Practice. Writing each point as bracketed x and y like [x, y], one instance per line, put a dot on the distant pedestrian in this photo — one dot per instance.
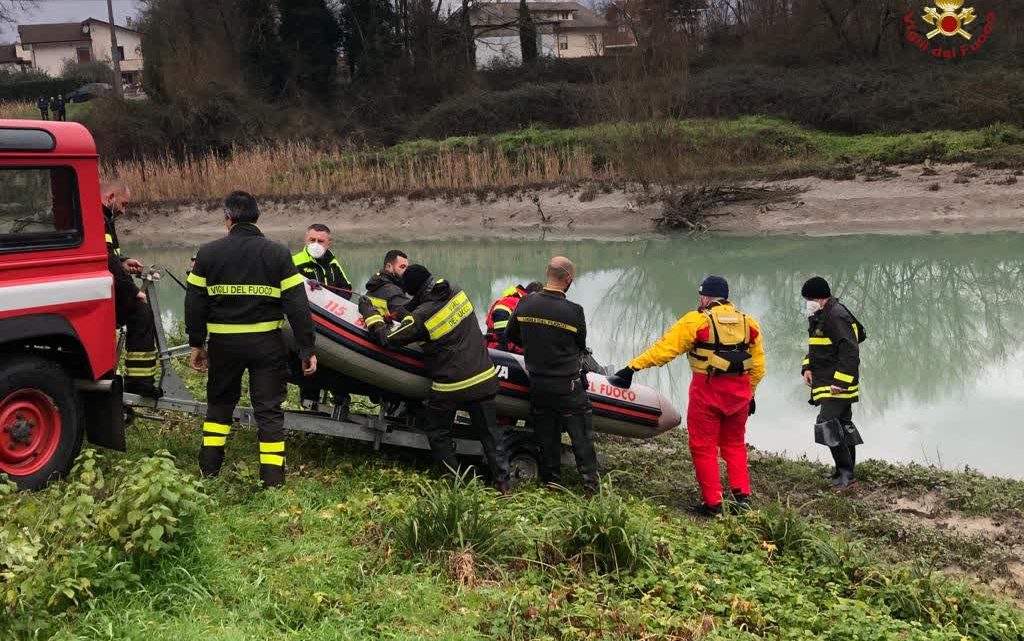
[44, 107]
[62, 113]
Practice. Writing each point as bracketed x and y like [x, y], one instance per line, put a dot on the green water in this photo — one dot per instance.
[942, 373]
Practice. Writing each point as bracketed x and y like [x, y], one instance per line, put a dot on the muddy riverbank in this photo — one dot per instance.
[908, 199]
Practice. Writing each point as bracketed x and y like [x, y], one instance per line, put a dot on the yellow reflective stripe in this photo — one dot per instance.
[141, 372]
[461, 385]
[406, 323]
[376, 319]
[548, 322]
[379, 303]
[846, 378]
[138, 356]
[272, 446]
[271, 459]
[198, 281]
[243, 328]
[216, 428]
[504, 307]
[807, 361]
[821, 389]
[108, 238]
[501, 324]
[292, 281]
[448, 317]
[509, 291]
[816, 340]
[856, 331]
[215, 441]
[837, 396]
[244, 290]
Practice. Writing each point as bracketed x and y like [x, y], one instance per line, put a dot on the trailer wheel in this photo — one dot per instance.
[40, 421]
[523, 463]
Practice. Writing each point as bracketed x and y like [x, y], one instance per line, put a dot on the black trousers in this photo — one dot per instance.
[140, 343]
[265, 357]
[439, 417]
[845, 455]
[558, 405]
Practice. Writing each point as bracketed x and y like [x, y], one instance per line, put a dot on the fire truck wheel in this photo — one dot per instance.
[40, 421]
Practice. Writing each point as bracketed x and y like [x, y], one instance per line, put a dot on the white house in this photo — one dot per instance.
[48, 46]
[564, 30]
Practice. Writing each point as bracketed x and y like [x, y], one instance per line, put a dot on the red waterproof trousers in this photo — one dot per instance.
[716, 420]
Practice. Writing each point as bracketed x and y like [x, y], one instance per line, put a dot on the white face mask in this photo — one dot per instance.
[811, 308]
[316, 250]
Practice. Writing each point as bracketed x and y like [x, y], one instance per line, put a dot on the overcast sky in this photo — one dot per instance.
[66, 11]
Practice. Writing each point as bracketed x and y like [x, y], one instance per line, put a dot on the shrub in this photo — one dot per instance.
[451, 516]
[604, 533]
[95, 532]
[82, 73]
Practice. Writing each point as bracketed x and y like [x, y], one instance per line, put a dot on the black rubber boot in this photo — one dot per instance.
[706, 511]
[741, 502]
[210, 460]
[844, 467]
[145, 387]
[272, 475]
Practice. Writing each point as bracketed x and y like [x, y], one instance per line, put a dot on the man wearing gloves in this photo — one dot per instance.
[832, 371]
[441, 318]
[725, 350]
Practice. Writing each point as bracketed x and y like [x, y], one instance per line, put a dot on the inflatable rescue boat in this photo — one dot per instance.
[344, 347]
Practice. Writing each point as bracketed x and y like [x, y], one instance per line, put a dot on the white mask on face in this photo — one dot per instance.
[811, 308]
[316, 250]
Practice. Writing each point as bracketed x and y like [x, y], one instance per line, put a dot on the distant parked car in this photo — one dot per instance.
[85, 93]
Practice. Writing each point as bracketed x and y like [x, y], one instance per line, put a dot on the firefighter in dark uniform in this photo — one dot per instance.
[832, 371]
[317, 262]
[240, 290]
[501, 312]
[553, 333]
[441, 317]
[384, 289]
[131, 305]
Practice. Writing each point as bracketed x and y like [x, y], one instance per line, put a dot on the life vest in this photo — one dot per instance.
[508, 302]
[727, 350]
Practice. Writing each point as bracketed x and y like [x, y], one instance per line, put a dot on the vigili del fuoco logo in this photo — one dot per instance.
[947, 34]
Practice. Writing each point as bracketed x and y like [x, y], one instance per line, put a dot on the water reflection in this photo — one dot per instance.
[942, 375]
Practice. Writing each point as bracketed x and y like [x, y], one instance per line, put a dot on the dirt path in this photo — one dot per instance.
[909, 199]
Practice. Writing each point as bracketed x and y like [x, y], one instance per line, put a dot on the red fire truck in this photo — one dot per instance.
[57, 335]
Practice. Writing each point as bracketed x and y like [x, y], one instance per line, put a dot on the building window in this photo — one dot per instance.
[84, 54]
[120, 54]
[566, 15]
[563, 43]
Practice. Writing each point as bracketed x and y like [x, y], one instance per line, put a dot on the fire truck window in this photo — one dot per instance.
[39, 208]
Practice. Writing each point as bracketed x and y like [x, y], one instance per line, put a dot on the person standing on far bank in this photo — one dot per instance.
[832, 371]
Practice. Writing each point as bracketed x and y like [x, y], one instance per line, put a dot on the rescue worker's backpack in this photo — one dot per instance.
[728, 349]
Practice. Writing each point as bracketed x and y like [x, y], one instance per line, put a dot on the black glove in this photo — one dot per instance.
[753, 407]
[366, 308]
[622, 378]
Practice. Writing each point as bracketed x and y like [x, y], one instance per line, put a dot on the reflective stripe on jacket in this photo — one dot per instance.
[244, 283]
[833, 353]
[326, 270]
[443, 320]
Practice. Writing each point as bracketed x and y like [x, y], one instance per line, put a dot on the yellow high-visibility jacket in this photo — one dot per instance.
[693, 328]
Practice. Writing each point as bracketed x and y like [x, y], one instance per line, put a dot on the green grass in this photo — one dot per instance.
[748, 146]
[329, 557]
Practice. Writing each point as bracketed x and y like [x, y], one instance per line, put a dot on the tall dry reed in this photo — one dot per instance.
[299, 169]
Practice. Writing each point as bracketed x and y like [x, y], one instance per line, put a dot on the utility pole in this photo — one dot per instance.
[118, 91]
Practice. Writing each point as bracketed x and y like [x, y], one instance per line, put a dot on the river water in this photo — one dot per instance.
[942, 375]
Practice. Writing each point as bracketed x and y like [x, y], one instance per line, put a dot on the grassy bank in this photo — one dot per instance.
[361, 545]
[665, 152]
